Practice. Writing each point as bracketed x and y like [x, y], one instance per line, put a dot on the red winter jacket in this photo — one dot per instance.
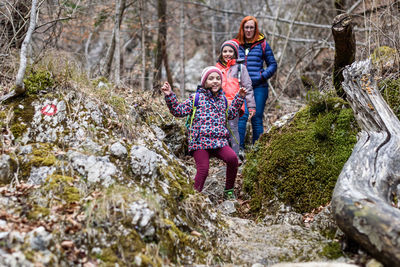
[230, 83]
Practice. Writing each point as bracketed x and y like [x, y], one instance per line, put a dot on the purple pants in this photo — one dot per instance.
[202, 157]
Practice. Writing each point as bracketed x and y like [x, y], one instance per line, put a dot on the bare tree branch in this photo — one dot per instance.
[19, 83]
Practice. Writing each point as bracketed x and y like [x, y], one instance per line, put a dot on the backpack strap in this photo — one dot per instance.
[263, 46]
[240, 74]
[194, 108]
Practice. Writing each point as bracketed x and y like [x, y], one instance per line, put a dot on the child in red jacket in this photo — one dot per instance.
[208, 134]
[235, 75]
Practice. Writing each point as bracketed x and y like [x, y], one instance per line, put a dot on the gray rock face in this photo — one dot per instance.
[118, 150]
[267, 245]
[142, 218]
[39, 175]
[39, 239]
[144, 162]
[6, 172]
[16, 259]
[96, 169]
[47, 121]
[227, 207]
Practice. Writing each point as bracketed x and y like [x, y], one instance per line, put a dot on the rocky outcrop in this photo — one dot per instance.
[84, 184]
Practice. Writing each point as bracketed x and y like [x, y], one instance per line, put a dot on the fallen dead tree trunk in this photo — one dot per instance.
[368, 184]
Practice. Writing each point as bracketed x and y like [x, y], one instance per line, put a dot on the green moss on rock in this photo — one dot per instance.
[43, 156]
[38, 212]
[37, 81]
[62, 187]
[383, 54]
[332, 251]
[390, 90]
[300, 163]
[18, 129]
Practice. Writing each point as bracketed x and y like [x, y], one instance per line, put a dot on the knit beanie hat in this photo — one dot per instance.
[207, 71]
[233, 45]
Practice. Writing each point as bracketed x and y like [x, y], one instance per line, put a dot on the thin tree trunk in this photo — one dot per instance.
[369, 183]
[19, 80]
[117, 44]
[149, 69]
[166, 65]
[182, 48]
[106, 67]
[143, 46]
[213, 45]
[275, 22]
[345, 49]
[161, 43]
[340, 6]
[297, 12]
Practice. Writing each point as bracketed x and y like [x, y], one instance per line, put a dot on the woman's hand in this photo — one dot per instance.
[166, 89]
[242, 92]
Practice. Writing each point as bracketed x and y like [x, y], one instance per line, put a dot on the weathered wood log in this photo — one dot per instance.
[345, 49]
[368, 184]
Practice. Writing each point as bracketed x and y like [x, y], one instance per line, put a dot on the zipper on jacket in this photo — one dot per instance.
[246, 52]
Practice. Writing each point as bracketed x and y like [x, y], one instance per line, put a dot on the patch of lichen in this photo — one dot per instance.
[3, 118]
[115, 198]
[38, 212]
[390, 90]
[299, 163]
[38, 80]
[179, 186]
[332, 251]
[18, 129]
[125, 250]
[175, 243]
[42, 155]
[62, 187]
[383, 54]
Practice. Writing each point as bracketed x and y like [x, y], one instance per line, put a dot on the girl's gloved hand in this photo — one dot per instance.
[242, 92]
[166, 89]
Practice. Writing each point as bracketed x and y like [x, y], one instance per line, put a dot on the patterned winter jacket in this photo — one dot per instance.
[208, 130]
[254, 61]
[230, 83]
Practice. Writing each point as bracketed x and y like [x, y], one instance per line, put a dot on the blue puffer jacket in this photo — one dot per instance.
[254, 61]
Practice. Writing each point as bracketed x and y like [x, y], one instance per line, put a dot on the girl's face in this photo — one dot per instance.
[249, 29]
[227, 53]
[213, 82]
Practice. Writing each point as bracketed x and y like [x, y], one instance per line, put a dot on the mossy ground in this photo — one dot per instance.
[37, 81]
[300, 163]
[390, 90]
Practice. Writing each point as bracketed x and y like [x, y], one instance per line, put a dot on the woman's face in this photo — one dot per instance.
[227, 53]
[249, 29]
[213, 82]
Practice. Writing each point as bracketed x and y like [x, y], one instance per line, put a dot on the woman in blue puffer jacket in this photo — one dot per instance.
[255, 50]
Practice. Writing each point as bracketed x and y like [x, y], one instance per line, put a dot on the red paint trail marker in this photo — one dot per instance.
[49, 110]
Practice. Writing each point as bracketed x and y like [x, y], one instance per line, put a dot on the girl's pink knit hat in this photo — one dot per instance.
[207, 71]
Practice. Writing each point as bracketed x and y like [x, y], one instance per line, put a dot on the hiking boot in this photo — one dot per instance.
[241, 154]
[229, 194]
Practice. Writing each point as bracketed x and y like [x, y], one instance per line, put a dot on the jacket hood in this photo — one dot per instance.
[228, 64]
[261, 37]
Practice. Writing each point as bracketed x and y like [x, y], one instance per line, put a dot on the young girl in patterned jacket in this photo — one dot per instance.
[209, 136]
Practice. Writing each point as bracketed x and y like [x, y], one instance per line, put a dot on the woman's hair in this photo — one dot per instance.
[240, 36]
